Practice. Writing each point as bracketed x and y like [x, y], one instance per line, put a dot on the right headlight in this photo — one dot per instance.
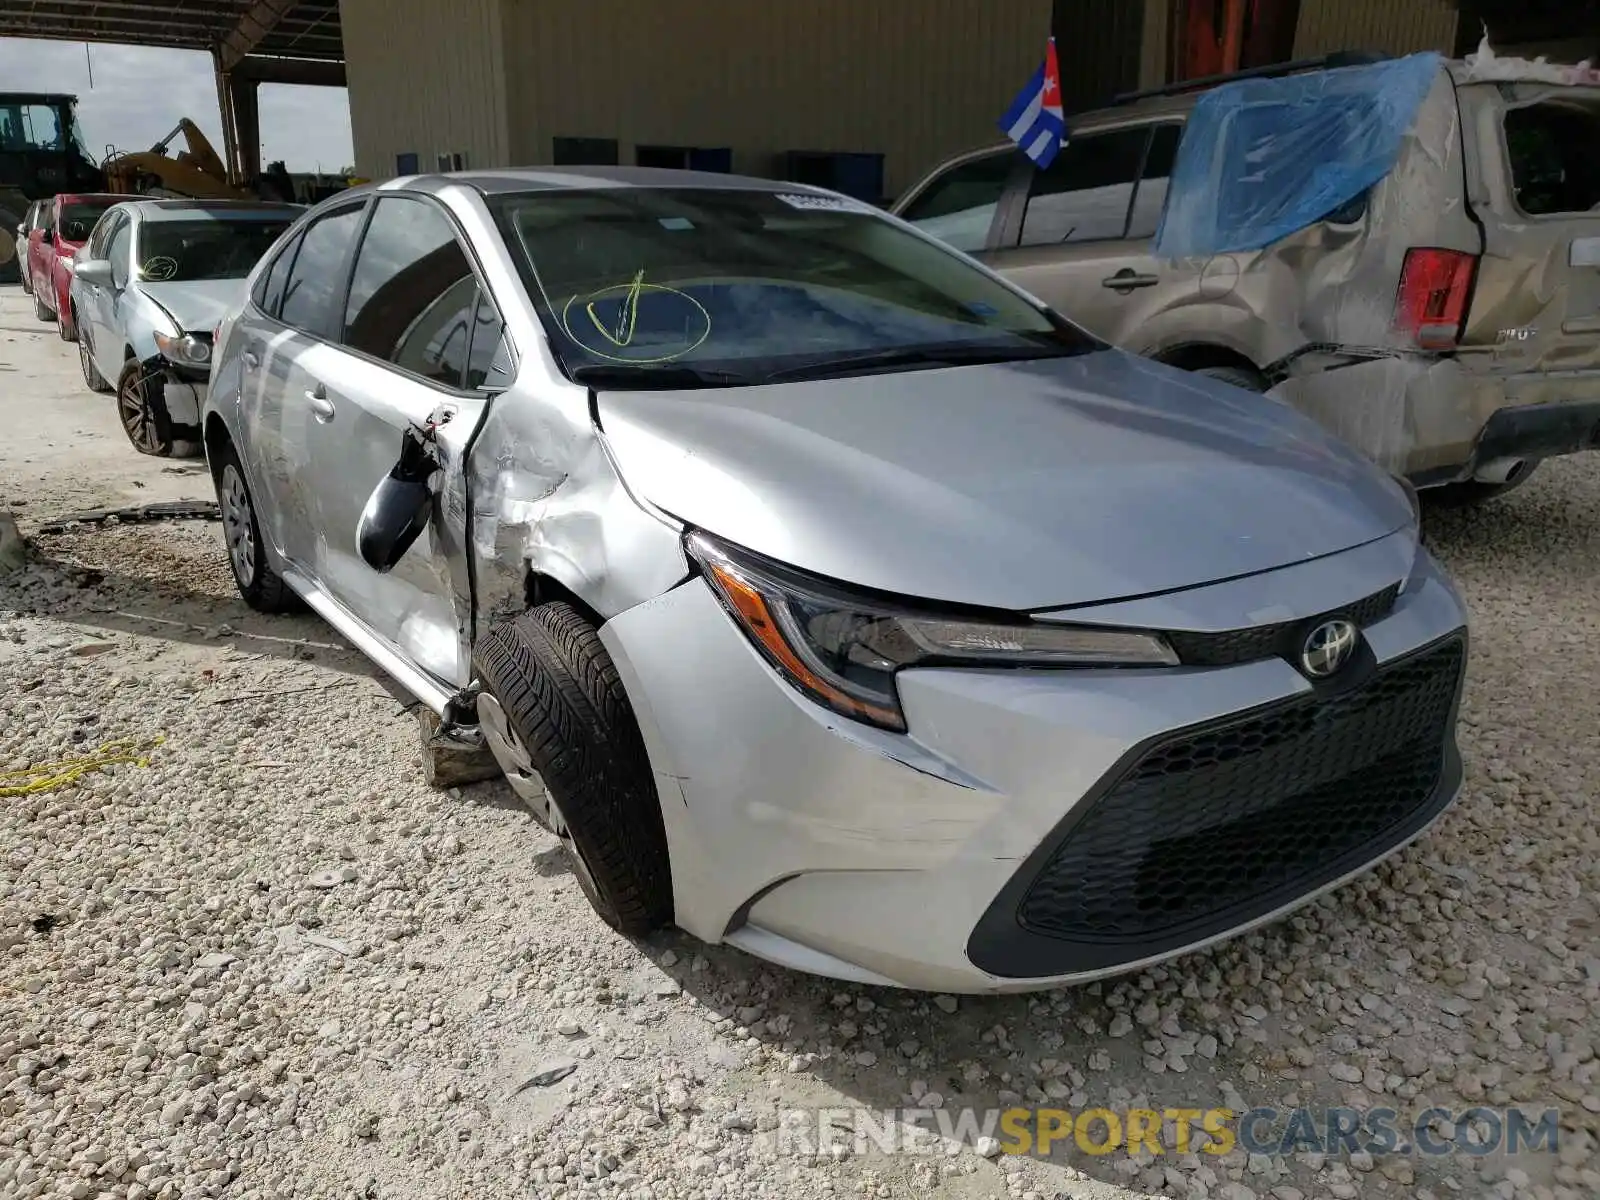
[843, 651]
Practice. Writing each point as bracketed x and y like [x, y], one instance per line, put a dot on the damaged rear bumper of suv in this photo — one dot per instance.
[1034, 828]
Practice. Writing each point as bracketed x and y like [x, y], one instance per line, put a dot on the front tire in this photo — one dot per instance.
[22, 269]
[260, 586]
[554, 707]
[66, 327]
[40, 312]
[143, 412]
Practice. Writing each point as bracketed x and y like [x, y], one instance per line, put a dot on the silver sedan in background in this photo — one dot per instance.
[824, 593]
[148, 288]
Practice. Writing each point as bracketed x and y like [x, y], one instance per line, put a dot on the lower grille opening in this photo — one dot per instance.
[1216, 826]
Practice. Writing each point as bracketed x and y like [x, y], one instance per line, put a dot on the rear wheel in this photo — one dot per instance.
[39, 310]
[553, 712]
[260, 586]
[22, 269]
[66, 327]
[91, 374]
[143, 412]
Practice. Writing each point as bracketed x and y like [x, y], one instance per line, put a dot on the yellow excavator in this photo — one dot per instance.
[196, 173]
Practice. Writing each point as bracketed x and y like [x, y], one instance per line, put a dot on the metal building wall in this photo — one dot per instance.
[913, 79]
[425, 78]
[1392, 26]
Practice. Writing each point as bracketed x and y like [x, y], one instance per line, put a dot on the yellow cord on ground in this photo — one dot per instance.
[45, 777]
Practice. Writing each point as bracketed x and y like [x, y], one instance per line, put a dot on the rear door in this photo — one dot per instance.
[1078, 234]
[1533, 157]
[419, 337]
[284, 346]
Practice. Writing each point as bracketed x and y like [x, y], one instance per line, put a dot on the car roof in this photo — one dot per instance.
[494, 182]
[180, 210]
[80, 197]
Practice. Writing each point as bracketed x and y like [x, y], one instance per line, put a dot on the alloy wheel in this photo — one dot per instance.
[137, 420]
[238, 526]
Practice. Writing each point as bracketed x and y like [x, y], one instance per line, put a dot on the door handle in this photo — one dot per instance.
[249, 359]
[1127, 279]
[321, 407]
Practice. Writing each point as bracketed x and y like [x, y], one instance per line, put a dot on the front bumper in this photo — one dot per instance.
[910, 859]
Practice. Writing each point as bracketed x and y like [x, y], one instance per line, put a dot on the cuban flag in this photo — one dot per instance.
[1035, 120]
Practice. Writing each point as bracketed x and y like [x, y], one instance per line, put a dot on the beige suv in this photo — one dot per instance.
[1447, 322]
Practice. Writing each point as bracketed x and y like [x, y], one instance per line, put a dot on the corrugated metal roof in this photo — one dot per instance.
[304, 29]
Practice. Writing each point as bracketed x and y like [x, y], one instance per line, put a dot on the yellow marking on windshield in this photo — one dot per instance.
[621, 334]
[616, 340]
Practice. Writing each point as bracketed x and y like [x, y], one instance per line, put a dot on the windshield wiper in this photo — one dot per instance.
[926, 356]
[645, 377]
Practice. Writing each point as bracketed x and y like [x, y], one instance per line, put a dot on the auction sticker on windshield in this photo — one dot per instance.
[822, 203]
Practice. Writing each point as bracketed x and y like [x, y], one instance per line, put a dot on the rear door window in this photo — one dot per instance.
[958, 207]
[1086, 193]
[1553, 159]
[1151, 197]
[268, 293]
[315, 282]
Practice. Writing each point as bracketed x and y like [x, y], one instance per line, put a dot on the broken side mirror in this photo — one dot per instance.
[397, 511]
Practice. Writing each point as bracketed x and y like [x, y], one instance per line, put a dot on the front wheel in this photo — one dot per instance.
[39, 310]
[143, 411]
[553, 711]
[66, 327]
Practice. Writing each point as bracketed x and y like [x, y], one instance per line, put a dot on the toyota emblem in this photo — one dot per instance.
[1328, 648]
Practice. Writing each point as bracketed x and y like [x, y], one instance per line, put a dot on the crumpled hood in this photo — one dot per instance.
[1014, 485]
[197, 305]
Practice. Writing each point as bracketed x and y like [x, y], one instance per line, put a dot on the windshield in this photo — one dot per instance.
[79, 217]
[681, 287]
[205, 248]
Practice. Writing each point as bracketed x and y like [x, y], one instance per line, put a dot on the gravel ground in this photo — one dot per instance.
[269, 962]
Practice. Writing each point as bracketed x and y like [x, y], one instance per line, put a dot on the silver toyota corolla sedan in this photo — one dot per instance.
[824, 593]
[148, 288]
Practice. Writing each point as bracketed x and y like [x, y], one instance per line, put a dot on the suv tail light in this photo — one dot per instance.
[1432, 301]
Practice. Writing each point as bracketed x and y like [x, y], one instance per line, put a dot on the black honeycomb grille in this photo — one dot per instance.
[1247, 815]
[1266, 641]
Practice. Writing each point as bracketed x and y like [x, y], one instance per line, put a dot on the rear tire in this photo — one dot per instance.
[260, 586]
[1240, 377]
[1471, 492]
[568, 720]
[91, 373]
[40, 311]
[66, 328]
[22, 270]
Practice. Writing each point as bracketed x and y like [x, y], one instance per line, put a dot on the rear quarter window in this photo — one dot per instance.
[1552, 154]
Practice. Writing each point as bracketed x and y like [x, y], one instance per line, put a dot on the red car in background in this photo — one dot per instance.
[66, 225]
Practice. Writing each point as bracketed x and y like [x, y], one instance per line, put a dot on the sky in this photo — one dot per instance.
[140, 93]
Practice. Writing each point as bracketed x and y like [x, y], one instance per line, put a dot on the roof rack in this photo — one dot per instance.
[1324, 62]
